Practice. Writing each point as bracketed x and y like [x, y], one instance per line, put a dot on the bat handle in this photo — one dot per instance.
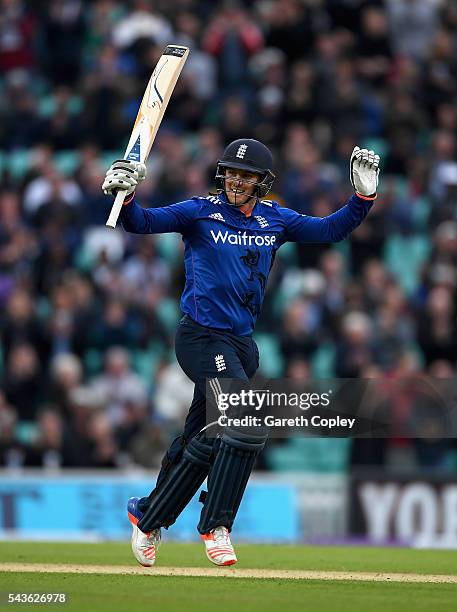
[116, 208]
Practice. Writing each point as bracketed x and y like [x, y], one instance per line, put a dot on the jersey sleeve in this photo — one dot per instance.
[174, 218]
[333, 228]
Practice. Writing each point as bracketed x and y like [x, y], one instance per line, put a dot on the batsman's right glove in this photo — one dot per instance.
[123, 175]
[364, 172]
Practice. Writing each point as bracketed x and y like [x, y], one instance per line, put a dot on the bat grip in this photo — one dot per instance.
[116, 208]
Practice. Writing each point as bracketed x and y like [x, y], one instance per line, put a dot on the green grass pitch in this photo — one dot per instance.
[95, 592]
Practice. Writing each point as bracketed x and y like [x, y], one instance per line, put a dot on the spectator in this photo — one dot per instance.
[289, 24]
[63, 30]
[19, 244]
[53, 191]
[48, 449]
[232, 37]
[172, 397]
[20, 325]
[413, 25]
[12, 453]
[354, 351]
[22, 126]
[299, 329]
[142, 22]
[116, 327]
[101, 435]
[117, 385]
[145, 271]
[23, 383]
[66, 376]
[373, 48]
[18, 28]
[437, 334]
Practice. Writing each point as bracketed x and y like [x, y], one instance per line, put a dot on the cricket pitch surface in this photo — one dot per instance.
[204, 572]
[104, 577]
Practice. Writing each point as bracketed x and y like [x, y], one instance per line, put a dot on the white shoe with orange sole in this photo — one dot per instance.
[219, 549]
[144, 545]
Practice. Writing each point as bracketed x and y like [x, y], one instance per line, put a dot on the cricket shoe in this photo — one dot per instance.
[219, 549]
[144, 545]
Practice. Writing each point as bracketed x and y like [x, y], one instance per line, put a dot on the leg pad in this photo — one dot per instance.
[183, 480]
[229, 476]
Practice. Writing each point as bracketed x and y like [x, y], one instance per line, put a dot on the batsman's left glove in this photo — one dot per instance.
[364, 172]
[123, 175]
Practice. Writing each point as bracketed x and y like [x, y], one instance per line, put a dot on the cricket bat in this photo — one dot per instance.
[155, 99]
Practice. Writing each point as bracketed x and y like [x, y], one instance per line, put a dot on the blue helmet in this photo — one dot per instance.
[251, 155]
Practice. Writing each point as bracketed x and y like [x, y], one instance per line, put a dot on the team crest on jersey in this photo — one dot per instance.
[217, 216]
[241, 151]
[261, 221]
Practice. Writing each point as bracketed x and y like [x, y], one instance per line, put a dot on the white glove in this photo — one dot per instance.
[123, 175]
[364, 171]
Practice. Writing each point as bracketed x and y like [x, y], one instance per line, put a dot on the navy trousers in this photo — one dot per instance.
[199, 350]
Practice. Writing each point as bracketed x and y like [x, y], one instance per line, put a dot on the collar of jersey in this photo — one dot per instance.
[223, 198]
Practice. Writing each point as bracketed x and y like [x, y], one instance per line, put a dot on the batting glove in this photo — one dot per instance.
[364, 172]
[123, 175]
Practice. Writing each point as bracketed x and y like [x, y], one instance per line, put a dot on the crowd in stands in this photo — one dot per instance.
[87, 315]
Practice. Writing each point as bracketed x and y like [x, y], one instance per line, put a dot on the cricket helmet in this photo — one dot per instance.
[250, 155]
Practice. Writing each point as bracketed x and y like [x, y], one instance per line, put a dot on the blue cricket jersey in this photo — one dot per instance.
[228, 256]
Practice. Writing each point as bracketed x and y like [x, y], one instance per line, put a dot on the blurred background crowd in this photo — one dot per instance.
[87, 315]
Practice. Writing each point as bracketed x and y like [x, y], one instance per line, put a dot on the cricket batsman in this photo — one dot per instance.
[231, 240]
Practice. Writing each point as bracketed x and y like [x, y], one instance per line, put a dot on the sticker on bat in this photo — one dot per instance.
[176, 51]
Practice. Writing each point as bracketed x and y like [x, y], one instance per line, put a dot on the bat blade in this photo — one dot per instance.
[150, 114]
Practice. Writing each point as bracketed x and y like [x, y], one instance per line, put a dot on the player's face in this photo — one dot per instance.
[240, 185]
